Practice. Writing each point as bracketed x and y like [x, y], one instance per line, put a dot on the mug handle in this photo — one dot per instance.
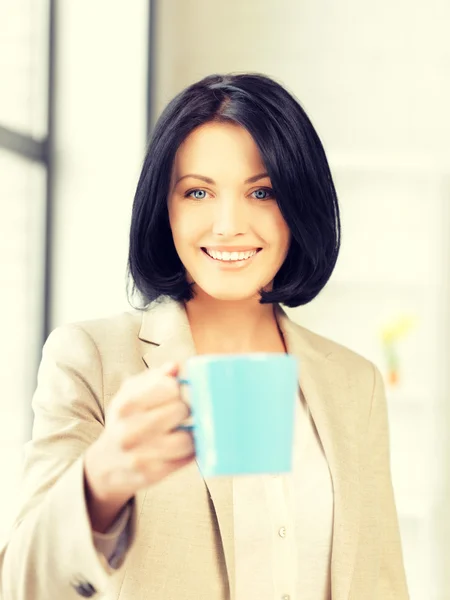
[184, 427]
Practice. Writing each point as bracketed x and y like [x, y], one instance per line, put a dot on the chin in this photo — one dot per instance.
[229, 295]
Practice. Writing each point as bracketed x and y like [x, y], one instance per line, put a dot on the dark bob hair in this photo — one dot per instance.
[297, 166]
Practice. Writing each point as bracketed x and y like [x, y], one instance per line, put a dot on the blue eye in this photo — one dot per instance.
[196, 194]
[263, 194]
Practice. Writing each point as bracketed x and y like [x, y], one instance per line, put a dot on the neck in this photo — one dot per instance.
[233, 326]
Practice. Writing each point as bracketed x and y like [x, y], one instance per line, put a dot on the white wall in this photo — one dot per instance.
[100, 140]
[373, 76]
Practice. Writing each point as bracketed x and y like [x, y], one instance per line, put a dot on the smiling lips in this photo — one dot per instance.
[230, 256]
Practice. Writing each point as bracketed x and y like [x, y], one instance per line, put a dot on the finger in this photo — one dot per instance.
[143, 427]
[146, 391]
[177, 445]
[174, 465]
[152, 464]
[156, 471]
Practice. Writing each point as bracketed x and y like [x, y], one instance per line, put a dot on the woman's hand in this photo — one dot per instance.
[139, 445]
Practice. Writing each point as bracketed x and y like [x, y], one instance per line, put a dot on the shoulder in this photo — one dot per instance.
[106, 349]
[346, 378]
[103, 335]
[355, 367]
[118, 326]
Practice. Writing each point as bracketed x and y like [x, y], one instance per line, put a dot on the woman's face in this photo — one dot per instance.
[227, 228]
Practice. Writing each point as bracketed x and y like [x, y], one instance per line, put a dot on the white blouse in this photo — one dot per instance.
[283, 524]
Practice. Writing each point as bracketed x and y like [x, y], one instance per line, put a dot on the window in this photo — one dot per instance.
[25, 40]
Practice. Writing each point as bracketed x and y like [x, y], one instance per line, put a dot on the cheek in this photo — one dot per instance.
[176, 220]
[185, 225]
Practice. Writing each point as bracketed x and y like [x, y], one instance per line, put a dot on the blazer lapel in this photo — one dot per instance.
[166, 334]
[333, 406]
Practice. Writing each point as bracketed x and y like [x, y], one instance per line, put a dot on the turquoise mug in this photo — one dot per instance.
[243, 411]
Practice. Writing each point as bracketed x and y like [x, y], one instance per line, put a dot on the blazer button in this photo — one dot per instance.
[84, 589]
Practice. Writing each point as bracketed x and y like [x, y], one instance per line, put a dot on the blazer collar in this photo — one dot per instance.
[327, 389]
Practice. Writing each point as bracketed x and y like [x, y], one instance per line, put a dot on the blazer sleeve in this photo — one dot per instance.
[50, 553]
[391, 583]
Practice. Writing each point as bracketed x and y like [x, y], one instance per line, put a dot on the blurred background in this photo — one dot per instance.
[81, 85]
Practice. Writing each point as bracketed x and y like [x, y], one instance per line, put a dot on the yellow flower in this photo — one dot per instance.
[397, 328]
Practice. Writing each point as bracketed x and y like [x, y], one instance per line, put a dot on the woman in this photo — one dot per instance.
[235, 212]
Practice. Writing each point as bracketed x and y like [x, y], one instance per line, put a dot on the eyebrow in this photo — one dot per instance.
[212, 182]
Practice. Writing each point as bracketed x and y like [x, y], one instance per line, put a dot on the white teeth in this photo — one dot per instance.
[230, 256]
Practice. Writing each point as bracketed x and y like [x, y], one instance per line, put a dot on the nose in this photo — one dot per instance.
[230, 217]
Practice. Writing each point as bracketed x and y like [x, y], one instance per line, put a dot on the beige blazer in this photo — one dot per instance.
[182, 539]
